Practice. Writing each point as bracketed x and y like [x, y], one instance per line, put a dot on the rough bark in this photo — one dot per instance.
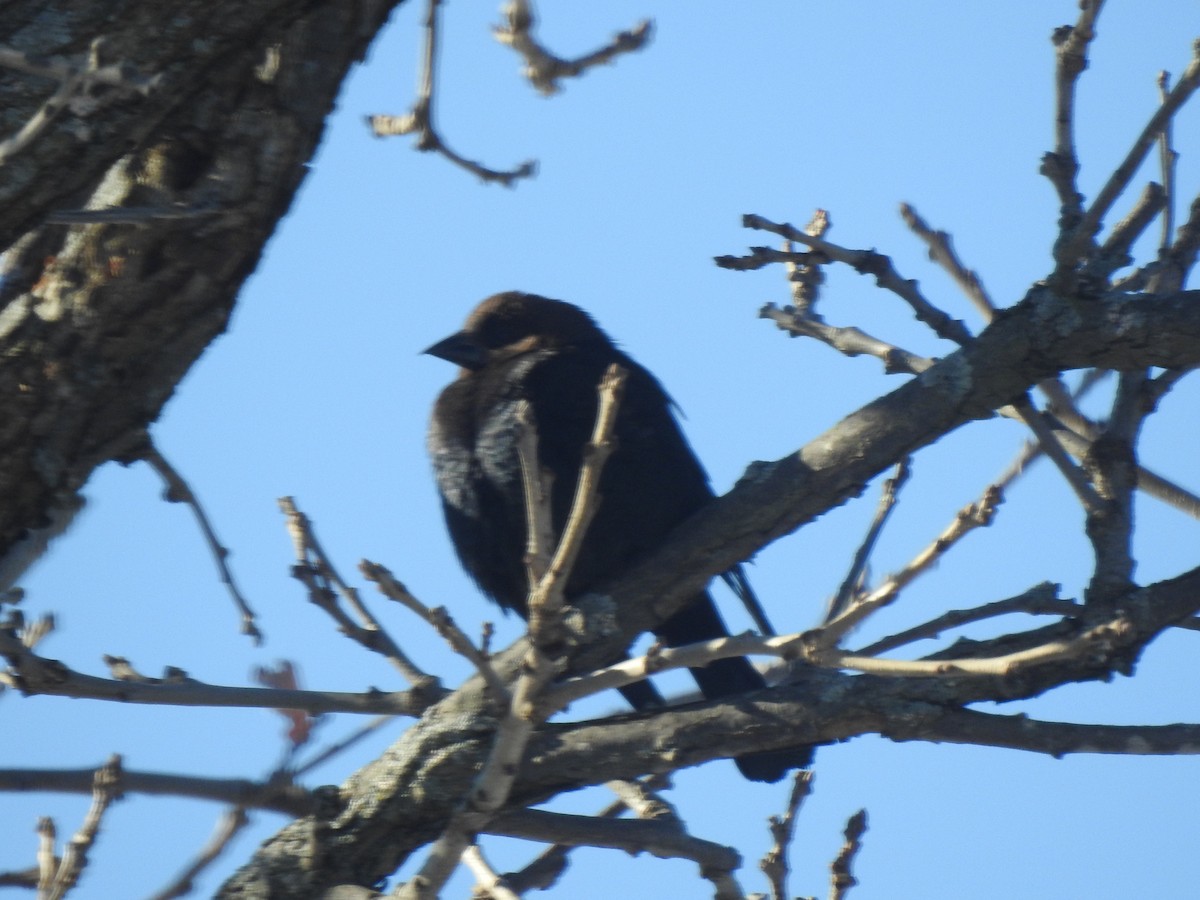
[99, 322]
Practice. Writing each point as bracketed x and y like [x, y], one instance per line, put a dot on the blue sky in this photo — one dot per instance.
[319, 391]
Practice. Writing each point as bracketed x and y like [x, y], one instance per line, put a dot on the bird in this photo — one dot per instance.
[552, 354]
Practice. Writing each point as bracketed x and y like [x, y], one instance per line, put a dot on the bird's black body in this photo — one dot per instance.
[518, 347]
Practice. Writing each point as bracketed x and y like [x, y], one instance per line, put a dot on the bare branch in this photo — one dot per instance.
[1112, 465]
[1062, 166]
[842, 880]
[543, 68]
[1116, 251]
[868, 262]
[47, 860]
[974, 515]
[488, 884]
[1168, 157]
[333, 749]
[805, 275]
[548, 866]
[106, 787]
[228, 826]
[1097, 642]
[774, 863]
[847, 340]
[1182, 254]
[419, 120]
[852, 583]
[941, 251]
[316, 572]
[32, 674]
[1073, 245]
[275, 794]
[439, 617]
[179, 491]
[545, 601]
[1057, 739]
[1042, 599]
[537, 481]
[1054, 451]
[664, 837]
[817, 647]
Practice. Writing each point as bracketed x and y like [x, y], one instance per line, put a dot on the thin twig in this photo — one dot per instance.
[106, 788]
[975, 515]
[47, 859]
[841, 877]
[774, 863]
[942, 252]
[1070, 250]
[663, 836]
[818, 647]
[1040, 600]
[441, 621]
[1056, 739]
[548, 866]
[420, 120]
[1182, 254]
[853, 581]
[275, 795]
[228, 826]
[488, 884]
[804, 271]
[867, 262]
[1095, 642]
[177, 490]
[852, 341]
[329, 752]
[537, 482]
[32, 674]
[1050, 445]
[1062, 165]
[1117, 250]
[543, 68]
[847, 340]
[545, 601]
[316, 572]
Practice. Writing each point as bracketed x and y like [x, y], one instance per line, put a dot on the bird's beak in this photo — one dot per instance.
[461, 349]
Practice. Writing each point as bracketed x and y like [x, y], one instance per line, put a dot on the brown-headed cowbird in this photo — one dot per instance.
[517, 347]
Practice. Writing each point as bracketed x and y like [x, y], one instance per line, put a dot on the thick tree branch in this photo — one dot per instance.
[384, 818]
[1043, 335]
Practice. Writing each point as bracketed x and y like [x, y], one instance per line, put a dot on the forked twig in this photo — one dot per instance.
[420, 121]
[543, 68]
[439, 617]
[316, 572]
[774, 863]
[853, 581]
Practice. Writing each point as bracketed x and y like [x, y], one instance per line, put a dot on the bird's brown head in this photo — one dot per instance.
[510, 324]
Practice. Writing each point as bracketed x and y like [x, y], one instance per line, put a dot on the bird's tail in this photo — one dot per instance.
[700, 621]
